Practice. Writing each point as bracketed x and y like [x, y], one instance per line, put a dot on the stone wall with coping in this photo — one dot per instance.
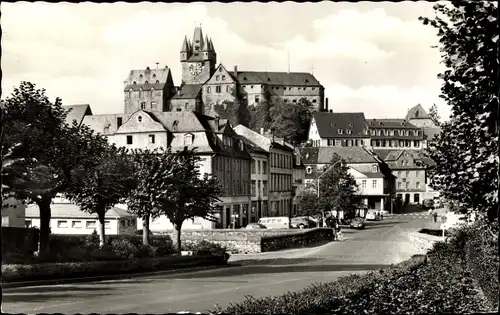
[238, 241]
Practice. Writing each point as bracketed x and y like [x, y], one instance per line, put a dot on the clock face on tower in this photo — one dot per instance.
[195, 68]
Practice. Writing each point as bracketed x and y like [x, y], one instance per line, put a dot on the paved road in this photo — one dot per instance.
[380, 244]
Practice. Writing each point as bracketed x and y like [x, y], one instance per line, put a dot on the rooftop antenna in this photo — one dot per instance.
[312, 69]
[288, 53]
[157, 64]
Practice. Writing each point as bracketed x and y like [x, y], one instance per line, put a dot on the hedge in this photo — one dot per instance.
[436, 283]
[295, 240]
[17, 273]
[16, 239]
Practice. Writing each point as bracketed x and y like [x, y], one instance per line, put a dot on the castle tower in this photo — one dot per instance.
[198, 58]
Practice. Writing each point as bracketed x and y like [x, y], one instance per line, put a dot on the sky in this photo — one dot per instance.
[371, 57]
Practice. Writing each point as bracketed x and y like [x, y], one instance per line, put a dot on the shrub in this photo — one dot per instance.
[295, 240]
[205, 248]
[144, 251]
[124, 248]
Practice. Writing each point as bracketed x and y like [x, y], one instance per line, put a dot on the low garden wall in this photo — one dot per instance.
[243, 241]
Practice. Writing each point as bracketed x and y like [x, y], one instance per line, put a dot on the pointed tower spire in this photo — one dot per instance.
[197, 39]
[211, 45]
[206, 44]
[185, 45]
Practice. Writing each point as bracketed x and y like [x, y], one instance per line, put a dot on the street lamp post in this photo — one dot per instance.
[318, 190]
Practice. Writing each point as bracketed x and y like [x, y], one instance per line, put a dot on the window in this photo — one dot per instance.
[415, 132]
[257, 99]
[416, 198]
[416, 143]
[340, 131]
[76, 224]
[143, 105]
[309, 170]
[151, 138]
[139, 118]
[349, 131]
[188, 139]
[374, 168]
[407, 185]
[119, 121]
[253, 167]
[417, 173]
[338, 143]
[209, 89]
[217, 89]
[264, 167]
[62, 224]
[178, 109]
[254, 193]
[417, 185]
[258, 188]
[91, 224]
[363, 183]
[129, 139]
[264, 188]
[314, 101]
[107, 224]
[399, 173]
[407, 132]
[228, 88]
[374, 183]
[217, 77]
[399, 185]
[258, 168]
[407, 173]
[140, 93]
[153, 105]
[27, 223]
[223, 78]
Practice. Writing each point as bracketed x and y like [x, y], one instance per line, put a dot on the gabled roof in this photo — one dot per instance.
[278, 78]
[188, 91]
[251, 147]
[77, 112]
[179, 121]
[324, 155]
[329, 124]
[390, 123]
[70, 210]
[417, 112]
[105, 124]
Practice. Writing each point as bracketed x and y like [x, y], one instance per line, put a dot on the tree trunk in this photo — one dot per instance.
[176, 240]
[145, 230]
[102, 227]
[45, 215]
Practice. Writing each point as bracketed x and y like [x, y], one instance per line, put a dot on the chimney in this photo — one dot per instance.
[261, 131]
[236, 71]
[326, 103]
[217, 122]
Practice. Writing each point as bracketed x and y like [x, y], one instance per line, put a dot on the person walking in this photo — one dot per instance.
[435, 215]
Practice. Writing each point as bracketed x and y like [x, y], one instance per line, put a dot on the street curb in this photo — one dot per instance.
[12, 285]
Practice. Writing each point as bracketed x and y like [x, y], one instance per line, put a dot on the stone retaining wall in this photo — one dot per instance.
[239, 241]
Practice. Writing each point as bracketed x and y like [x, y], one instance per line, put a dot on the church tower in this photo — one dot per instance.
[198, 58]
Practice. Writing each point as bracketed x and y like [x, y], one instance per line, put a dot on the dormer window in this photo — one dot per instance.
[157, 81]
[306, 81]
[154, 75]
[217, 77]
[188, 139]
[309, 170]
[245, 78]
[241, 145]
[134, 83]
[223, 78]
[140, 76]
[175, 124]
[139, 118]
[146, 82]
[350, 125]
[268, 79]
[374, 168]
[349, 131]
[340, 131]
[220, 69]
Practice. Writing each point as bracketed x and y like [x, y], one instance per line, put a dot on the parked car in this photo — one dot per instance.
[428, 204]
[374, 215]
[255, 226]
[275, 222]
[357, 223]
[302, 223]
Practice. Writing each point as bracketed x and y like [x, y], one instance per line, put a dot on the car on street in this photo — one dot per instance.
[255, 226]
[302, 223]
[428, 204]
[357, 223]
[275, 222]
[373, 215]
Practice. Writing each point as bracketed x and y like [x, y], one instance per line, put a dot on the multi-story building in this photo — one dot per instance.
[373, 176]
[205, 84]
[420, 118]
[395, 133]
[299, 175]
[410, 169]
[13, 213]
[148, 89]
[260, 175]
[328, 129]
[280, 167]
[222, 154]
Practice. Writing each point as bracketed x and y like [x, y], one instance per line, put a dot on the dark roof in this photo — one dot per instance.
[144, 86]
[373, 175]
[329, 124]
[188, 91]
[277, 78]
[390, 123]
[324, 155]
[77, 112]
[251, 147]
[382, 153]
[417, 112]
[280, 146]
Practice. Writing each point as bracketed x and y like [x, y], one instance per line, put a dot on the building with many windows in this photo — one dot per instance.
[279, 168]
[395, 133]
[373, 176]
[328, 129]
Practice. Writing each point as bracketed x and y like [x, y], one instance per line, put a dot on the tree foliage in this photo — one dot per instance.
[99, 188]
[291, 120]
[35, 133]
[433, 112]
[236, 111]
[465, 151]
